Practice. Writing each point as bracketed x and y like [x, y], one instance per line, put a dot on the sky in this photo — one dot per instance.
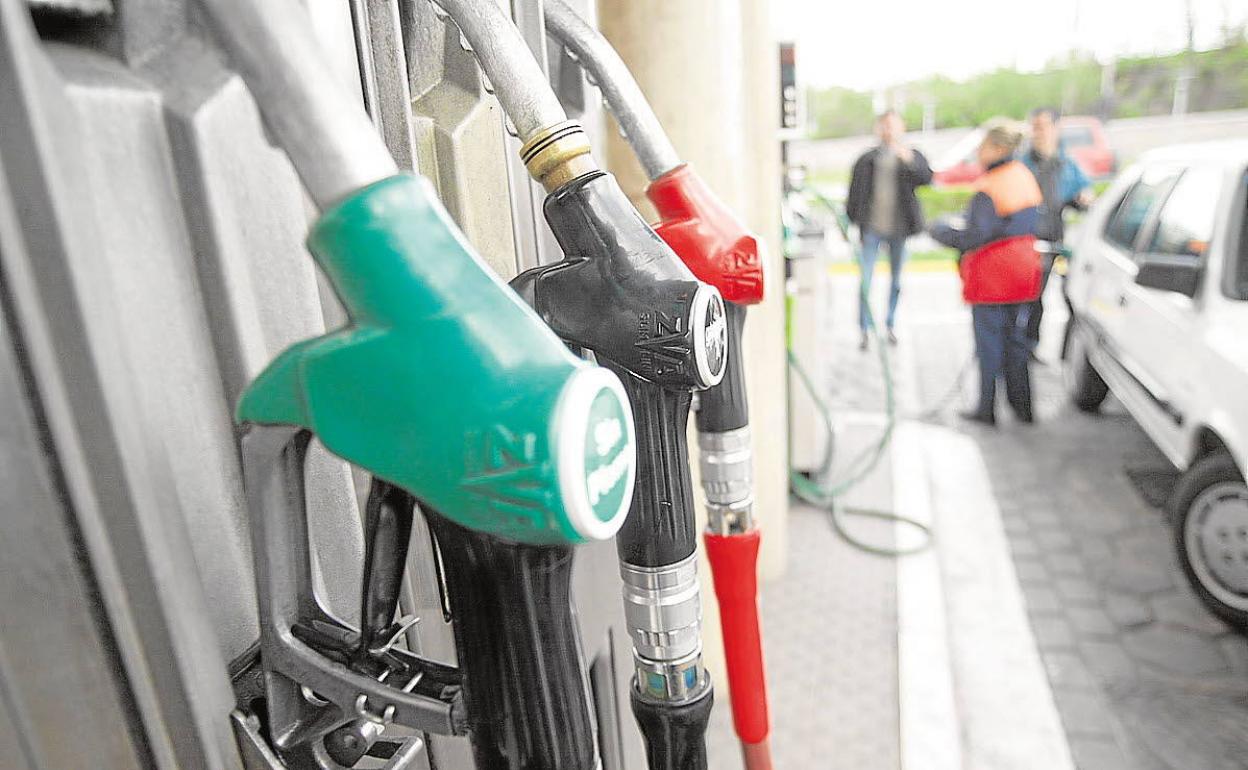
[871, 44]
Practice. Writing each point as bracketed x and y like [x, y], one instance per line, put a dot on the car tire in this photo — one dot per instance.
[1209, 509]
[1084, 385]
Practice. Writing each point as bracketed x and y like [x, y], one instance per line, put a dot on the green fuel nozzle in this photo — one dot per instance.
[456, 397]
[446, 385]
[452, 393]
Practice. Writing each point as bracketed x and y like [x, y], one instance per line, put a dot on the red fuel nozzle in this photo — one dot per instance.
[715, 245]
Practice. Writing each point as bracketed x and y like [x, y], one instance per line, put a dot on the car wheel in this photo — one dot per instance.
[1210, 512]
[1083, 384]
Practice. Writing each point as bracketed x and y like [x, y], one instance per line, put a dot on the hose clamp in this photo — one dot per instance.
[671, 680]
[726, 462]
[663, 609]
[558, 154]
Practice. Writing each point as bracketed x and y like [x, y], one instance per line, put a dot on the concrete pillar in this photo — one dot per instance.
[709, 69]
[765, 327]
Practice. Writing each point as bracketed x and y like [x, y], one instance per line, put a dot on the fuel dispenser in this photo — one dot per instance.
[723, 253]
[446, 390]
[621, 294]
[456, 397]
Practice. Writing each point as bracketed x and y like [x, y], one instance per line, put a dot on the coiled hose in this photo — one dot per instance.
[817, 488]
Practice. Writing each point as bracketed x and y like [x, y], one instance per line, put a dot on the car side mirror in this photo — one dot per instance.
[1177, 274]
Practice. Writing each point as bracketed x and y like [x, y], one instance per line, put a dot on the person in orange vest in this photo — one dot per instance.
[1000, 269]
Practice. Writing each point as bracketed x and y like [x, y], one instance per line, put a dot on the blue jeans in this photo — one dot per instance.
[1002, 347]
[870, 252]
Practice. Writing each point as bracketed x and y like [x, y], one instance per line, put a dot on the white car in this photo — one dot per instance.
[1158, 284]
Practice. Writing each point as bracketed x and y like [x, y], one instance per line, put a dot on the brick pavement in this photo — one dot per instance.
[1143, 677]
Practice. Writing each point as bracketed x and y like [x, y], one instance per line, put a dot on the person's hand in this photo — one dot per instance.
[903, 151]
[1084, 198]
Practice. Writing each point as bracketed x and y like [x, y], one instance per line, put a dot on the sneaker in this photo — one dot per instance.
[892, 337]
[866, 339]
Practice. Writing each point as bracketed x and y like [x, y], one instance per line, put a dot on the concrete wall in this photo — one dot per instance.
[710, 70]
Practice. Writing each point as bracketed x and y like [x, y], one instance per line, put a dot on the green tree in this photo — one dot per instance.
[1143, 86]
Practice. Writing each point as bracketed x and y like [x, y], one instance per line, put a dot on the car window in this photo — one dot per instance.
[1132, 212]
[1185, 223]
[1076, 136]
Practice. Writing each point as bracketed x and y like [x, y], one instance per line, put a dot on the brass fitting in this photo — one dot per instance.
[558, 154]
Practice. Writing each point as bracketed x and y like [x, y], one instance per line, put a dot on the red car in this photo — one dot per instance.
[1083, 138]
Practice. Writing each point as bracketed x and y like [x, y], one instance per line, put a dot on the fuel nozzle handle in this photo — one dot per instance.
[621, 293]
[660, 529]
[513, 624]
[719, 250]
[457, 392]
[446, 385]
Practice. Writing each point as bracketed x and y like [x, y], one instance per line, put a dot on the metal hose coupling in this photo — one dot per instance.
[663, 610]
[728, 480]
[558, 154]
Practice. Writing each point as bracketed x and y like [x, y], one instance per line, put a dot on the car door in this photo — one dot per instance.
[1112, 268]
[1161, 330]
[1226, 319]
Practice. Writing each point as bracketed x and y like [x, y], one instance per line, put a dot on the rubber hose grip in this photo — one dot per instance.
[724, 406]
[661, 528]
[674, 733]
[734, 563]
[517, 645]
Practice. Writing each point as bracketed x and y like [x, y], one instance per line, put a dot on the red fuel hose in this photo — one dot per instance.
[720, 251]
[734, 562]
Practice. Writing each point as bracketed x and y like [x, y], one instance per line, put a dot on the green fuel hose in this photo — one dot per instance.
[822, 494]
[819, 490]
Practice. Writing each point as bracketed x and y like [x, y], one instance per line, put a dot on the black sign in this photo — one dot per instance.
[788, 87]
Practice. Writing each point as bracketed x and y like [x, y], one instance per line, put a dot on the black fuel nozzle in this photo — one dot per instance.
[622, 294]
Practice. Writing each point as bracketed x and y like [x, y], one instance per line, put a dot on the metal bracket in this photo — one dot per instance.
[314, 681]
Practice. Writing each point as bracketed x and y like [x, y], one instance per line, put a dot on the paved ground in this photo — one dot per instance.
[1141, 675]
[831, 630]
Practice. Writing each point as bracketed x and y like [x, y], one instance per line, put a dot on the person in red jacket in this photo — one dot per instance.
[1000, 269]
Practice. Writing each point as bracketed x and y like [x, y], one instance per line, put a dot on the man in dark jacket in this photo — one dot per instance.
[1064, 186]
[883, 204]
